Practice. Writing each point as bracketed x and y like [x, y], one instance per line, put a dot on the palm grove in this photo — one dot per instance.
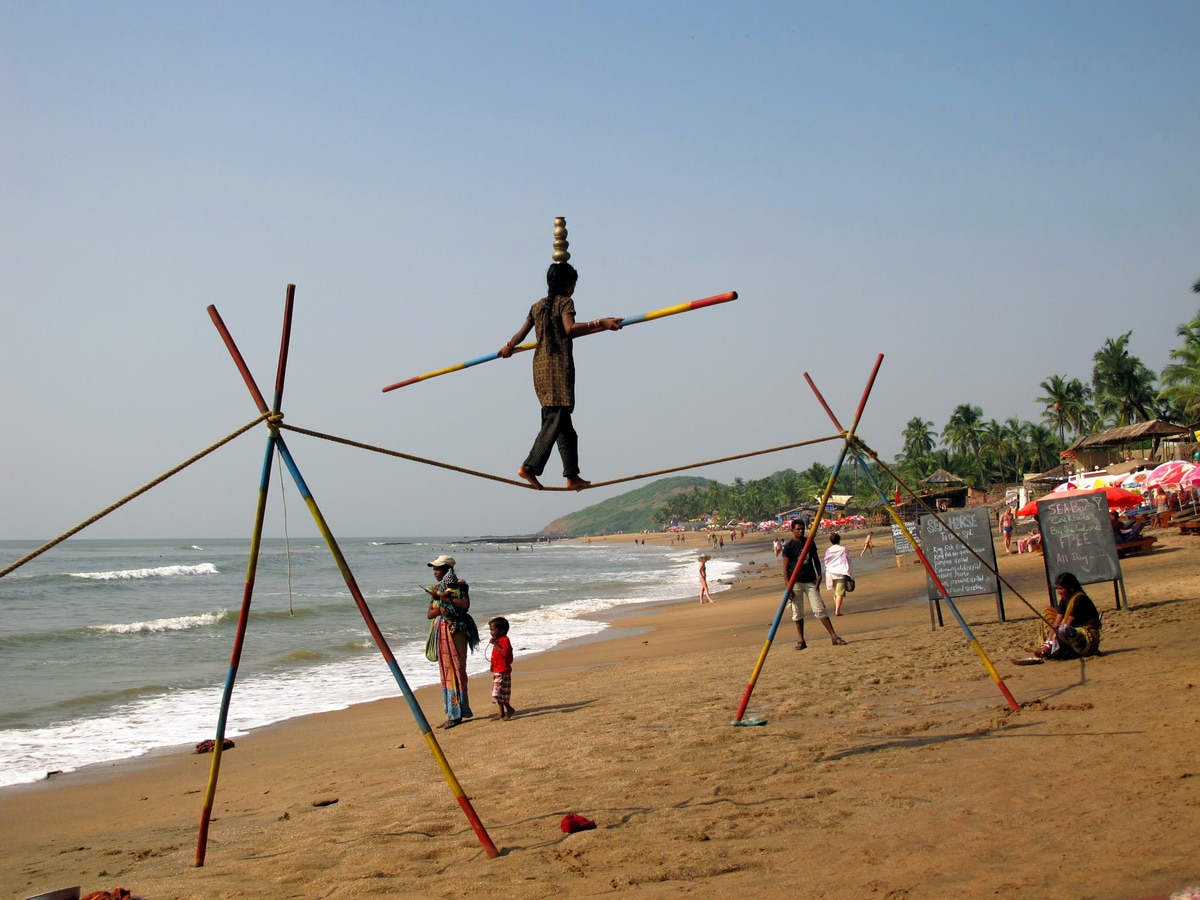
[983, 452]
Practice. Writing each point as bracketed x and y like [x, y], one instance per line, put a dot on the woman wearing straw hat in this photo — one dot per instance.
[456, 635]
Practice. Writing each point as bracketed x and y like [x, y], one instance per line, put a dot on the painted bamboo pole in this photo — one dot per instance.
[966, 629]
[422, 723]
[975, 645]
[630, 320]
[252, 566]
[210, 792]
[808, 546]
[381, 642]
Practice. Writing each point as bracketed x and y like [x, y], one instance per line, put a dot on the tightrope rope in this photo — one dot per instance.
[521, 484]
[157, 481]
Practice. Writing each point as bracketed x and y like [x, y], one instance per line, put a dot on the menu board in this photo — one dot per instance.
[1077, 537]
[962, 573]
[899, 542]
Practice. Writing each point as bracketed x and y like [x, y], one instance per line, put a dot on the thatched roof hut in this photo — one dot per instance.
[1131, 434]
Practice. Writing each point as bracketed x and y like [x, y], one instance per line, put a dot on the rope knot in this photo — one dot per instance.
[274, 420]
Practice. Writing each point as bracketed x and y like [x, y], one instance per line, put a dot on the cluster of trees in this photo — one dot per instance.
[1122, 391]
[749, 501]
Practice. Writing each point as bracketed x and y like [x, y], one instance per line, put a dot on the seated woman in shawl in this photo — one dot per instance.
[1075, 622]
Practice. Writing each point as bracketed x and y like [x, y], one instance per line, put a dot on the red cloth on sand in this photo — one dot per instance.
[575, 822]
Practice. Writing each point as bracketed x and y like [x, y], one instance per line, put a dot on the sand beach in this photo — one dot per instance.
[891, 767]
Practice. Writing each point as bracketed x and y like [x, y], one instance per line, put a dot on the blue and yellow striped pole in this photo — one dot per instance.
[276, 442]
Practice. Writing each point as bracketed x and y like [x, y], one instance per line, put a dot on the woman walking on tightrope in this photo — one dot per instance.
[553, 318]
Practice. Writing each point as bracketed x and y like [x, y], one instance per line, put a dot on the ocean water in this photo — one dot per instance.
[112, 649]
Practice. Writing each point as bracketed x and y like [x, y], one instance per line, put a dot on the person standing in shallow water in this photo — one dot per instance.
[553, 320]
[705, 596]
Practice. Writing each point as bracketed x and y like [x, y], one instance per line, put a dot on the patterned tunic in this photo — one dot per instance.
[554, 372]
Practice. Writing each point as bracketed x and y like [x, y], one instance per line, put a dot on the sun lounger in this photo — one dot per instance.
[1137, 546]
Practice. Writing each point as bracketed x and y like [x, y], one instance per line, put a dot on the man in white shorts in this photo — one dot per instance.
[807, 582]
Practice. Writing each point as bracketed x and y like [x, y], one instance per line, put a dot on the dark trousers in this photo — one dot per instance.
[556, 429]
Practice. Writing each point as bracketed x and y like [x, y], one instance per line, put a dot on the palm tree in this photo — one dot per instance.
[1015, 432]
[1122, 384]
[961, 433]
[1181, 378]
[1057, 401]
[1082, 414]
[919, 438]
[1041, 448]
[992, 444]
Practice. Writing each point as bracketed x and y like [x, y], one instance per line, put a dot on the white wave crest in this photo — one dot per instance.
[160, 572]
[178, 623]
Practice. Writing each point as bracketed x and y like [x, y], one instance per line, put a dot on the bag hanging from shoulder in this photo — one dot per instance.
[431, 641]
[849, 585]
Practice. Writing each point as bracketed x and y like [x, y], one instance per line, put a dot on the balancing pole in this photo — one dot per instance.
[252, 566]
[975, 645]
[520, 348]
[848, 436]
[348, 576]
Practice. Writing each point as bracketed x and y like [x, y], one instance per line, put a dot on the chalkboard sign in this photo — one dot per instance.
[961, 572]
[899, 542]
[1077, 537]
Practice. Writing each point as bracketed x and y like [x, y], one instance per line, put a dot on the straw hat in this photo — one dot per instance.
[442, 562]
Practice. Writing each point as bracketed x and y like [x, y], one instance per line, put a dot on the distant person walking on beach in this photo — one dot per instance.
[553, 319]
[867, 548]
[500, 655]
[1006, 525]
[704, 582]
[837, 570]
[807, 582]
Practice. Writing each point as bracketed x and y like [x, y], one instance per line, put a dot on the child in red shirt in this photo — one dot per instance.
[501, 657]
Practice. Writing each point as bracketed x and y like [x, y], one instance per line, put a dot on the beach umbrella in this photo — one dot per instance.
[1170, 473]
[1135, 479]
[1118, 498]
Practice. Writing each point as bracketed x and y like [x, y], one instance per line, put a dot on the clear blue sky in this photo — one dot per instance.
[982, 192]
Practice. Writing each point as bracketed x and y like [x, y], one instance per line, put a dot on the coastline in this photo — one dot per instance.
[887, 765]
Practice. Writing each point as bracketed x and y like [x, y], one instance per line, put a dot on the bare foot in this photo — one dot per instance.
[838, 642]
[530, 477]
[576, 484]
[801, 645]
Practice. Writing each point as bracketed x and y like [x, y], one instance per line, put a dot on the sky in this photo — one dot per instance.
[980, 192]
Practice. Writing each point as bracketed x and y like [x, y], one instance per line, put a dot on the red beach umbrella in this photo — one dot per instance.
[1118, 498]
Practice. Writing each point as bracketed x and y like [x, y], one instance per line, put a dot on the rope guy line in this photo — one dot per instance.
[860, 446]
[157, 481]
[521, 484]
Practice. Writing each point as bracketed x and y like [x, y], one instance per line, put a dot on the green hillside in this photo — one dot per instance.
[630, 512]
